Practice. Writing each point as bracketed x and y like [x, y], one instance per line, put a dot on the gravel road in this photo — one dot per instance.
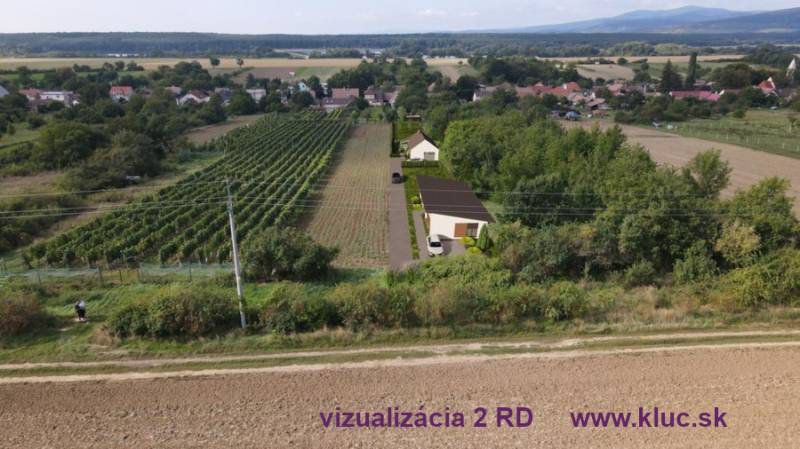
[758, 388]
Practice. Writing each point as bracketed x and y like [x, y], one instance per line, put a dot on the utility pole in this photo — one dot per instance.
[236, 267]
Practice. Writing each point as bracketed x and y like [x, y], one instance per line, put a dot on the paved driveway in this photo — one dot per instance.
[399, 241]
[451, 247]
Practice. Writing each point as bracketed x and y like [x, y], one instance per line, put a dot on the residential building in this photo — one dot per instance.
[452, 210]
[374, 96]
[768, 87]
[225, 94]
[420, 147]
[344, 92]
[61, 96]
[257, 94]
[331, 104]
[699, 94]
[31, 94]
[121, 93]
[194, 97]
[3, 92]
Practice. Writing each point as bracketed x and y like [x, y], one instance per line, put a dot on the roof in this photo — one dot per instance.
[121, 90]
[3, 91]
[700, 94]
[344, 92]
[451, 197]
[417, 138]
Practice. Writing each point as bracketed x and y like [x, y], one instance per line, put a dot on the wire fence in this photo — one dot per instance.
[143, 273]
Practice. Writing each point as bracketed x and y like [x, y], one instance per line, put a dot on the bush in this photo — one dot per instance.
[638, 274]
[450, 303]
[183, 312]
[772, 281]
[697, 265]
[286, 253]
[290, 309]
[565, 301]
[362, 305]
[20, 313]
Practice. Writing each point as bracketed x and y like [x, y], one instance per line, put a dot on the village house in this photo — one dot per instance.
[121, 93]
[194, 97]
[31, 94]
[61, 96]
[225, 94]
[257, 94]
[3, 92]
[699, 94]
[374, 96]
[175, 90]
[331, 104]
[451, 208]
[536, 90]
[344, 92]
[768, 87]
[390, 96]
[420, 147]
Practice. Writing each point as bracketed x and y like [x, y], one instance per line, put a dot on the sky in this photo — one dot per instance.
[323, 16]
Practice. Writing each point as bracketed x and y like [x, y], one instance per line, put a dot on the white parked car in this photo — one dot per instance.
[435, 247]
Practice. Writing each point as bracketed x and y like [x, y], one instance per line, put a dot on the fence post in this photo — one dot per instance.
[39, 277]
[100, 274]
[120, 276]
[190, 272]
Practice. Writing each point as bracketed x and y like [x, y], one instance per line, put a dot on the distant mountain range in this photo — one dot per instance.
[688, 19]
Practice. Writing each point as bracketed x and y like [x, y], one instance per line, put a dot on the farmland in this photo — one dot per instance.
[351, 207]
[187, 221]
[749, 166]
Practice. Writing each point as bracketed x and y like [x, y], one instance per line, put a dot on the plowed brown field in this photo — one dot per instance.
[757, 387]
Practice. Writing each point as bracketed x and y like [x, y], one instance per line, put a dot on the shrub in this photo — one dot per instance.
[183, 312]
[21, 312]
[286, 253]
[290, 309]
[515, 303]
[361, 305]
[450, 303]
[738, 243]
[697, 265]
[640, 273]
[772, 281]
[565, 301]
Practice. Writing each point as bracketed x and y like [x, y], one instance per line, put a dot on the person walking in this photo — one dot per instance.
[80, 310]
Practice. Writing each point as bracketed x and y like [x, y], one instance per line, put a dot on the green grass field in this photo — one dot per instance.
[760, 129]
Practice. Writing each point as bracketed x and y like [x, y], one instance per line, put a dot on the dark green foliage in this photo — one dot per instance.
[63, 144]
[242, 104]
[213, 111]
[696, 265]
[290, 308]
[175, 313]
[670, 79]
[767, 208]
[286, 253]
[639, 273]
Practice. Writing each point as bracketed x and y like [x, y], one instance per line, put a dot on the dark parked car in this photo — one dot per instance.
[397, 178]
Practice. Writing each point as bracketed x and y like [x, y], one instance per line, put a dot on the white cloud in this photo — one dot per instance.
[430, 13]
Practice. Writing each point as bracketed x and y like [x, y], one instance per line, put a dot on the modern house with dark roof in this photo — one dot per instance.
[420, 147]
[451, 208]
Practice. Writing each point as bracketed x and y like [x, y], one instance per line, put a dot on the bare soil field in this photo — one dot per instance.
[652, 59]
[605, 71]
[225, 63]
[351, 208]
[207, 133]
[757, 387]
[749, 166]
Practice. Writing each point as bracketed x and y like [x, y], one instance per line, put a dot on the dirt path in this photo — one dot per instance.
[352, 206]
[749, 166]
[756, 385]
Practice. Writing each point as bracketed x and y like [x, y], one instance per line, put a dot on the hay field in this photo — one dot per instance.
[605, 71]
[650, 59]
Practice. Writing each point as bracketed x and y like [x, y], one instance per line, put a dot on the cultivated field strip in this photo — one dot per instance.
[360, 178]
[272, 165]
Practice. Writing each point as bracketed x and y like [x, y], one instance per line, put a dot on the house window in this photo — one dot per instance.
[430, 156]
[472, 230]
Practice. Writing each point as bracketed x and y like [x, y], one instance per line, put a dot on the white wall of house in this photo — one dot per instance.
[418, 152]
[445, 225]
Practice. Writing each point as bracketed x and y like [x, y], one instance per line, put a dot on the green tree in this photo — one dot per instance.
[708, 173]
[738, 243]
[213, 111]
[670, 78]
[691, 77]
[214, 61]
[242, 103]
[286, 253]
[767, 208]
[62, 144]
